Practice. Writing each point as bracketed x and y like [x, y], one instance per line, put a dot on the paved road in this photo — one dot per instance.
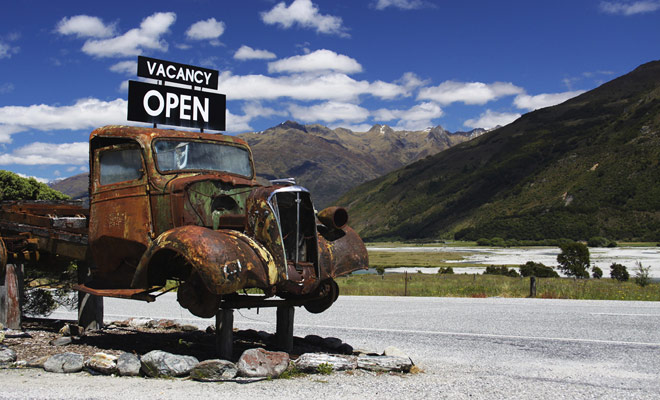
[468, 348]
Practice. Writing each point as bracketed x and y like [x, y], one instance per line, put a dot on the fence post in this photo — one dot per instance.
[405, 278]
[532, 286]
[11, 300]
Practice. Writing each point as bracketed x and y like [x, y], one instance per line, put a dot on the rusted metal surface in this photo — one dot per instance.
[156, 214]
[12, 297]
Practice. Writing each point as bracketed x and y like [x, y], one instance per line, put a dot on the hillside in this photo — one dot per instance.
[77, 186]
[587, 167]
[330, 162]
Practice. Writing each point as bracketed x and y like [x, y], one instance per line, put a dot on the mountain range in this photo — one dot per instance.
[327, 161]
[587, 167]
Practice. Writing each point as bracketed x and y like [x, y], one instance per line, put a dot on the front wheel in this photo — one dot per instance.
[328, 293]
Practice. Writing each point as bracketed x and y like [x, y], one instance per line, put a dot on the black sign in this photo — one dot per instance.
[170, 105]
[175, 72]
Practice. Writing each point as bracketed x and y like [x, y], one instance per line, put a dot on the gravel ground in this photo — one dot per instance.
[467, 348]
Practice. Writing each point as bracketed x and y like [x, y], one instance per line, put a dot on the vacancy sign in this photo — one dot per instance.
[170, 105]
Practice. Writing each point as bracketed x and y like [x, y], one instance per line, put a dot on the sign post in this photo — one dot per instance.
[170, 105]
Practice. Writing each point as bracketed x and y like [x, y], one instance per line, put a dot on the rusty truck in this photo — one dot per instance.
[186, 207]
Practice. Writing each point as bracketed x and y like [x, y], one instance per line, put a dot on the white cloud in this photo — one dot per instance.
[528, 102]
[125, 67]
[305, 14]
[468, 92]
[36, 178]
[85, 26]
[6, 88]
[329, 111]
[402, 4]
[209, 29]
[354, 128]
[6, 51]
[133, 42]
[490, 119]
[320, 60]
[48, 154]
[417, 117]
[411, 81]
[84, 114]
[629, 8]
[339, 87]
[241, 123]
[248, 53]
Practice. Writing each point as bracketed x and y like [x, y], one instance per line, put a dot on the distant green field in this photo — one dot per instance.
[463, 285]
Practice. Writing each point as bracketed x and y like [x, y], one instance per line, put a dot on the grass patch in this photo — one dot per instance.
[389, 259]
[463, 285]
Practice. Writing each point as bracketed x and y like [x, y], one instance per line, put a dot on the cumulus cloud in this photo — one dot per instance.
[84, 114]
[6, 50]
[133, 42]
[417, 117]
[36, 178]
[528, 102]
[241, 123]
[402, 4]
[85, 26]
[248, 53]
[320, 60]
[329, 111]
[331, 86]
[628, 8]
[468, 92]
[209, 29]
[305, 14]
[490, 119]
[48, 154]
[125, 67]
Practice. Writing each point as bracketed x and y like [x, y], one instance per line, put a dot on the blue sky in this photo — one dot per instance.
[410, 64]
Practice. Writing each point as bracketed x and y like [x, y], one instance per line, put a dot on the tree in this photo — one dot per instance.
[596, 273]
[642, 274]
[530, 268]
[14, 187]
[574, 260]
[619, 272]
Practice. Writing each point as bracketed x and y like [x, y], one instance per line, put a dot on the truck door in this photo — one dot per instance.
[120, 222]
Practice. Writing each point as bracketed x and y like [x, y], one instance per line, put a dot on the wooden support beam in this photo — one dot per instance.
[11, 297]
[284, 332]
[90, 307]
[224, 333]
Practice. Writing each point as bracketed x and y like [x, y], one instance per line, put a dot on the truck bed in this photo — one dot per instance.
[29, 228]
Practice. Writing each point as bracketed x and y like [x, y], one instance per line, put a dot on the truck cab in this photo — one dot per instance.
[186, 206]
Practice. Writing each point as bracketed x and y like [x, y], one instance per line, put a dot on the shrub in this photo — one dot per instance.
[446, 270]
[598, 241]
[596, 273]
[483, 242]
[502, 270]
[619, 272]
[642, 274]
[574, 260]
[380, 270]
[538, 270]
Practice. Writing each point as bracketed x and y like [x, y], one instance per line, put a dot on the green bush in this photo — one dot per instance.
[574, 260]
[501, 270]
[446, 270]
[486, 242]
[596, 273]
[598, 241]
[642, 274]
[530, 268]
[619, 272]
[14, 187]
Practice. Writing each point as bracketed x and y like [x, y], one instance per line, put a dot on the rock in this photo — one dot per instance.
[262, 363]
[106, 364]
[128, 364]
[165, 324]
[210, 329]
[314, 340]
[72, 330]
[2, 336]
[309, 362]
[64, 363]
[37, 362]
[61, 341]
[214, 371]
[345, 348]
[189, 328]
[19, 364]
[266, 337]
[384, 363]
[139, 322]
[12, 334]
[158, 363]
[393, 351]
[332, 342]
[7, 355]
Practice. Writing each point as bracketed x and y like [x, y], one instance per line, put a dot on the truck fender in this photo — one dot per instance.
[209, 263]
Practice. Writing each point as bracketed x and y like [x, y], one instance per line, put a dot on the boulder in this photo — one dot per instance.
[7, 355]
[332, 343]
[128, 364]
[72, 330]
[61, 341]
[2, 336]
[310, 362]
[105, 364]
[262, 363]
[37, 362]
[214, 371]
[384, 363]
[393, 351]
[64, 363]
[159, 363]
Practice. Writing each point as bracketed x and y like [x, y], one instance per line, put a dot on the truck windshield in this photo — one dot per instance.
[176, 155]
